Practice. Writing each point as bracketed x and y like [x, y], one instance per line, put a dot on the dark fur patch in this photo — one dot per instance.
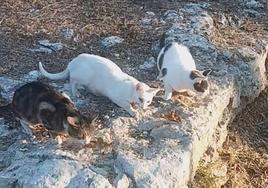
[36, 102]
[198, 87]
[164, 72]
[195, 74]
[163, 40]
[160, 62]
[167, 47]
[201, 87]
[161, 58]
[204, 84]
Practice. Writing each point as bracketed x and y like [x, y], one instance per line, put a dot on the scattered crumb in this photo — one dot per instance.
[172, 116]
[186, 100]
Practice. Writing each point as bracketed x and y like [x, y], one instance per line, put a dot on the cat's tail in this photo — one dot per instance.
[57, 76]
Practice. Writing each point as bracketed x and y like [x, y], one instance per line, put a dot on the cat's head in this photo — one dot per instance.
[75, 123]
[144, 94]
[79, 126]
[200, 83]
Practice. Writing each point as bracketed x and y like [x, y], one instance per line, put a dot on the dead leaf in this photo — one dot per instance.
[172, 116]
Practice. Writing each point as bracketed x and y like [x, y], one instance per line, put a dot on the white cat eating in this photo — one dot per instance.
[102, 76]
[178, 71]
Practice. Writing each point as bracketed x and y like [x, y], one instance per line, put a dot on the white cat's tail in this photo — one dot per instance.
[57, 76]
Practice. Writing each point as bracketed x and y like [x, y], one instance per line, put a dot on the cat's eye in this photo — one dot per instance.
[141, 100]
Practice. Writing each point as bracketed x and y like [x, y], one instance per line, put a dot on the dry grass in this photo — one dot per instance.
[246, 147]
[239, 30]
[233, 37]
[172, 116]
[246, 167]
[204, 178]
[23, 23]
[34, 17]
[86, 18]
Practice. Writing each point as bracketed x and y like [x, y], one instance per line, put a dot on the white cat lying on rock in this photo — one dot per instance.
[102, 76]
[178, 71]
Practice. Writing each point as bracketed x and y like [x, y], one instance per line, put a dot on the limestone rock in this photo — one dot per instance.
[121, 181]
[148, 64]
[111, 41]
[203, 23]
[32, 76]
[8, 182]
[100, 182]
[148, 20]
[68, 33]
[44, 46]
[8, 87]
[171, 16]
[252, 4]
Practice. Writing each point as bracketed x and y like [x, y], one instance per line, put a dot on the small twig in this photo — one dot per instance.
[2, 20]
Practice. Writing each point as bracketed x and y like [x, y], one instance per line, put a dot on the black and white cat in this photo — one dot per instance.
[178, 71]
[102, 76]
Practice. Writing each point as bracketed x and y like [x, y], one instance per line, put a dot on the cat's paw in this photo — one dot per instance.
[59, 140]
[133, 113]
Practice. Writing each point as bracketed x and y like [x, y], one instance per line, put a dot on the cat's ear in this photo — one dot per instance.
[139, 87]
[46, 106]
[206, 72]
[72, 121]
[201, 86]
[196, 74]
[153, 91]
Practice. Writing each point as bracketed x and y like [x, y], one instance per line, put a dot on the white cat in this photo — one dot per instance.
[178, 71]
[102, 76]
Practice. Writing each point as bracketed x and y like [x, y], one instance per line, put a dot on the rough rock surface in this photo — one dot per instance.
[44, 46]
[152, 151]
[111, 41]
[148, 20]
[252, 4]
[68, 33]
[150, 63]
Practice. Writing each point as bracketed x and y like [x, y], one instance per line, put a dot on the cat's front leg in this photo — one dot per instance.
[74, 91]
[26, 127]
[159, 77]
[168, 91]
[127, 106]
[58, 139]
[131, 111]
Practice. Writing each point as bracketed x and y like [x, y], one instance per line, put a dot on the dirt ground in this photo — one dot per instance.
[246, 147]
[24, 22]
